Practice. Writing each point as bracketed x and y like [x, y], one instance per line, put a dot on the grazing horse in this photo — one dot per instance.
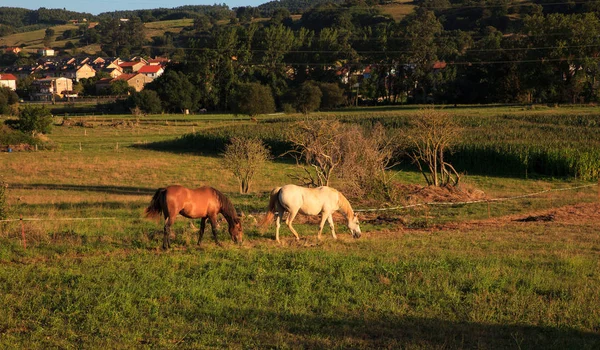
[309, 201]
[204, 202]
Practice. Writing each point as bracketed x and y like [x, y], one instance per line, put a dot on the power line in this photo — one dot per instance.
[375, 51]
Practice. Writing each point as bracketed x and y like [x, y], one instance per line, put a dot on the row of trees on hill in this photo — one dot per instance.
[445, 52]
[542, 58]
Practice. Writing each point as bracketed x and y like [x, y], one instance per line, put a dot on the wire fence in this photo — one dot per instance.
[490, 200]
[503, 199]
[425, 204]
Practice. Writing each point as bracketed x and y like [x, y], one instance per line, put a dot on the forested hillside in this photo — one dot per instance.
[13, 19]
[459, 51]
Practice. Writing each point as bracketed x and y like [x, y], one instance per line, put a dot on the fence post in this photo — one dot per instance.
[23, 233]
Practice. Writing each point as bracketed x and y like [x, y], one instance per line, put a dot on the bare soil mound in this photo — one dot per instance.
[419, 194]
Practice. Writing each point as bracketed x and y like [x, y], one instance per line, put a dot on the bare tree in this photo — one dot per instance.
[319, 144]
[434, 133]
[369, 156]
[360, 159]
[244, 157]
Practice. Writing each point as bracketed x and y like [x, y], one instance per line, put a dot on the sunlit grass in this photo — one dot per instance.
[441, 277]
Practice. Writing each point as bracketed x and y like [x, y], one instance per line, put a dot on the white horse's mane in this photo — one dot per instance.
[345, 207]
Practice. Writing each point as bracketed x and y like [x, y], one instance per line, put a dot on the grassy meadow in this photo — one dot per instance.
[462, 276]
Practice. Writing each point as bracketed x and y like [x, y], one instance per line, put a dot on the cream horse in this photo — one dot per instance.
[309, 201]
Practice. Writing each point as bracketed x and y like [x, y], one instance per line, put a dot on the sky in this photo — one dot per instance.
[97, 6]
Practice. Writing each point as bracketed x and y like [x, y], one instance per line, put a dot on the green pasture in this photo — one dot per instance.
[419, 278]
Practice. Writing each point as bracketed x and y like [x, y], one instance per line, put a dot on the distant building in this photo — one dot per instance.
[131, 67]
[47, 88]
[9, 81]
[46, 52]
[14, 50]
[82, 72]
[136, 81]
[152, 72]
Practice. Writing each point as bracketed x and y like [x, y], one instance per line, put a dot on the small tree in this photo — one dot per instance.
[8, 98]
[253, 99]
[146, 100]
[319, 144]
[120, 87]
[308, 98]
[34, 119]
[244, 157]
[332, 95]
[434, 133]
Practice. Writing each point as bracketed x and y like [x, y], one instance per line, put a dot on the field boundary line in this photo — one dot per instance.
[475, 201]
[360, 210]
[58, 219]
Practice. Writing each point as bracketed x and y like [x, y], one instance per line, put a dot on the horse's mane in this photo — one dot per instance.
[227, 208]
[345, 205]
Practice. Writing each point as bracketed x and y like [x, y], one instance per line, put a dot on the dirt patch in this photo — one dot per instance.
[545, 217]
[124, 124]
[79, 123]
[579, 214]
[418, 194]
[17, 148]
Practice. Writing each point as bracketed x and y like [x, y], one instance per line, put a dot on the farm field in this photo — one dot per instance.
[520, 273]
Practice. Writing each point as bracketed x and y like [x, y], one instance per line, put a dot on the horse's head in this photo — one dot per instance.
[354, 226]
[236, 232]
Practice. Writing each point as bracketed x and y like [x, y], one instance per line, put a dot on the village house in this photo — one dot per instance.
[9, 81]
[46, 52]
[151, 72]
[136, 81]
[158, 61]
[131, 67]
[14, 50]
[82, 72]
[47, 88]
[113, 72]
[23, 72]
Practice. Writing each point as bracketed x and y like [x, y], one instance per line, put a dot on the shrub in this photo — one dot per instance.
[7, 99]
[332, 95]
[146, 100]
[244, 157]
[308, 98]
[253, 99]
[34, 119]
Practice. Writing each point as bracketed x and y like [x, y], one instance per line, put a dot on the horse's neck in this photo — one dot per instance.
[228, 217]
[345, 208]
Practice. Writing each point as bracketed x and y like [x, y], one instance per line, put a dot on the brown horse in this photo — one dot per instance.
[204, 202]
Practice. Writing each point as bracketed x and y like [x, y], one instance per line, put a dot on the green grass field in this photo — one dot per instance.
[463, 276]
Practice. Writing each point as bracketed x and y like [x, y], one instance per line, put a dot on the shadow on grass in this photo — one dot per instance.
[393, 331]
[79, 188]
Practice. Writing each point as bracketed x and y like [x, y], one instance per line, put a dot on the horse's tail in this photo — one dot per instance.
[157, 203]
[273, 200]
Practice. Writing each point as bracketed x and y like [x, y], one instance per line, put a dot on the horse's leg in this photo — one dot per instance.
[167, 232]
[213, 226]
[201, 232]
[277, 224]
[330, 220]
[324, 217]
[289, 220]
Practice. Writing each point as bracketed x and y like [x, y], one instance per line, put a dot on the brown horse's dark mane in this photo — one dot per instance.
[227, 208]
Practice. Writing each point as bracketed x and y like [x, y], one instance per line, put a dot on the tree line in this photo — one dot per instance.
[459, 51]
[486, 52]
